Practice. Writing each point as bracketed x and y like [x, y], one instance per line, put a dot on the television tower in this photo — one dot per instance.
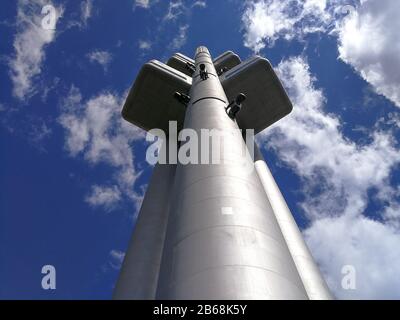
[214, 231]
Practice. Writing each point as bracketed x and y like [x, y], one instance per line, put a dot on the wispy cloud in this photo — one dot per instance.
[174, 25]
[113, 261]
[86, 11]
[104, 196]
[200, 4]
[145, 4]
[176, 8]
[117, 257]
[144, 45]
[96, 130]
[181, 38]
[30, 42]
[101, 57]
[81, 18]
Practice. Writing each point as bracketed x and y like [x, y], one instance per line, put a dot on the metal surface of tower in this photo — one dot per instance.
[214, 231]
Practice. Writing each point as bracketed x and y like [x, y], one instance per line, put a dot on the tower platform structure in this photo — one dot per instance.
[214, 230]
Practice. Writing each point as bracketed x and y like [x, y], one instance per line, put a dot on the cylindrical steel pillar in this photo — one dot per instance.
[313, 281]
[222, 240]
[139, 273]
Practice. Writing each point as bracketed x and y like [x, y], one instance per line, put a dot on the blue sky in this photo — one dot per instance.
[73, 173]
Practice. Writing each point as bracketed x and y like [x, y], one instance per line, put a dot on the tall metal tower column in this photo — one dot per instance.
[222, 241]
[138, 277]
[310, 275]
[213, 230]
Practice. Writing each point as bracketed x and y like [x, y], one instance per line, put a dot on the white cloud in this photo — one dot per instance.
[369, 246]
[310, 141]
[144, 45]
[337, 174]
[368, 37]
[82, 18]
[369, 40]
[107, 197]
[178, 16]
[175, 9]
[96, 130]
[265, 21]
[145, 4]
[86, 11]
[101, 57]
[117, 257]
[29, 45]
[181, 38]
[200, 4]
